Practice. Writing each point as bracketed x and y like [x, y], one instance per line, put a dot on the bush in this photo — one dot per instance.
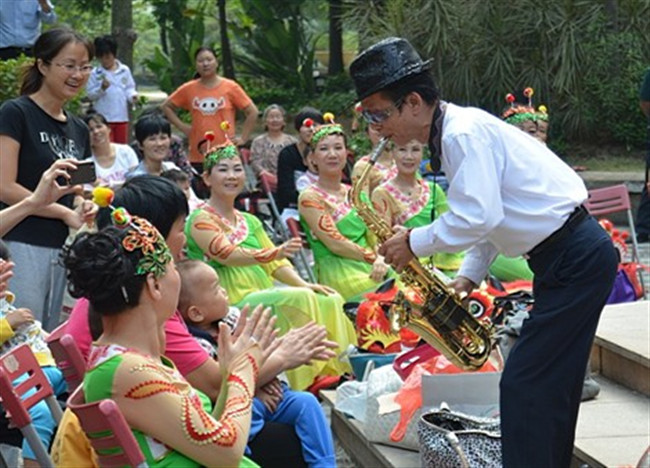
[10, 76]
[10, 73]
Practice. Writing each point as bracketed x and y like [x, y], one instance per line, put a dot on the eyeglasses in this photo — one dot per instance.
[71, 68]
[377, 117]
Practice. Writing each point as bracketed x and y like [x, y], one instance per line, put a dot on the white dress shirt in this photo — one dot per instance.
[507, 192]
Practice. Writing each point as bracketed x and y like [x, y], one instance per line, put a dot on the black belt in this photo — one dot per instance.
[576, 217]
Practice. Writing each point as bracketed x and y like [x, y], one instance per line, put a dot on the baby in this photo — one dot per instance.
[17, 326]
[204, 304]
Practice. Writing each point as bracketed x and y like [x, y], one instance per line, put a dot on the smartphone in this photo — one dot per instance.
[84, 174]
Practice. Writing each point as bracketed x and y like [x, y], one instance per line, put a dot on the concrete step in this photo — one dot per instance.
[614, 429]
[361, 451]
[621, 349]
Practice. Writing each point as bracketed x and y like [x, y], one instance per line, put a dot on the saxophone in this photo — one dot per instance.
[438, 315]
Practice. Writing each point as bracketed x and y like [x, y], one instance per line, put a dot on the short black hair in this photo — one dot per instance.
[421, 83]
[149, 124]
[307, 113]
[153, 198]
[175, 175]
[95, 117]
[4, 252]
[100, 269]
[105, 45]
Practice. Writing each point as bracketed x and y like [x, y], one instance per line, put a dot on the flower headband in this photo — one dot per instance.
[518, 113]
[329, 128]
[215, 154]
[142, 235]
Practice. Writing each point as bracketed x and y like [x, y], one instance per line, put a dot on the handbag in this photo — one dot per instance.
[449, 439]
[378, 427]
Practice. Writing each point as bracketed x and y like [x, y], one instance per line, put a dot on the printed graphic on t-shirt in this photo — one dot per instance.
[62, 146]
[209, 105]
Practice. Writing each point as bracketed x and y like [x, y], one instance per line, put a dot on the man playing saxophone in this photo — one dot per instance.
[508, 194]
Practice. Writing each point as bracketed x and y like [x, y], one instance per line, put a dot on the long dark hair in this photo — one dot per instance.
[48, 45]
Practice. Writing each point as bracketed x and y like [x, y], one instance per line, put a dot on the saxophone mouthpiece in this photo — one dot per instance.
[378, 150]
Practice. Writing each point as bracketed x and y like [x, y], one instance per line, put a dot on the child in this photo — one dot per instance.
[17, 326]
[112, 89]
[182, 179]
[204, 304]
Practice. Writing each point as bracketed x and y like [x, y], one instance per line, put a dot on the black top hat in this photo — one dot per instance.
[385, 63]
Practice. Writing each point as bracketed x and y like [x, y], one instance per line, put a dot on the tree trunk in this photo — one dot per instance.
[122, 29]
[335, 66]
[226, 53]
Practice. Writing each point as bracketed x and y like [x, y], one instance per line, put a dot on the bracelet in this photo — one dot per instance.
[408, 241]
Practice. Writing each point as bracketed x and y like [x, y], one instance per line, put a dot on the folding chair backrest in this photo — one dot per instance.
[245, 154]
[607, 200]
[18, 362]
[107, 430]
[612, 199]
[269, 183]
[295, 229]
[67, 355]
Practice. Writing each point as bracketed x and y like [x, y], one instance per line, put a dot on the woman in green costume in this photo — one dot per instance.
[344, 248]
[408, 200]
[128, 275]
[237, 247]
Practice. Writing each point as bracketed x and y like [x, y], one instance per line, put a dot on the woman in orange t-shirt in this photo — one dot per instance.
[210, 99]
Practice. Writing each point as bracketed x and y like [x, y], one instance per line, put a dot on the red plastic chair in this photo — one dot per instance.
[14, 364]
[613, 199]
[67, 355]
[269, 182]
[108, 431]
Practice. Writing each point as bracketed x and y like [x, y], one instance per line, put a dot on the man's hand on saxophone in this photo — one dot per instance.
[397, 250]
[463, 286]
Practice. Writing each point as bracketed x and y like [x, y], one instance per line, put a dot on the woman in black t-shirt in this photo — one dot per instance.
[35, 131]
[291, 161]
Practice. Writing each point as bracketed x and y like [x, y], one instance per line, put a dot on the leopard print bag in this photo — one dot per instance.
[449, 439]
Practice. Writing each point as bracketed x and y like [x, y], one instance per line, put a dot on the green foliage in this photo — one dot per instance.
[359, 144]
[583, 58]
[183, 32]
[10, 71]
[277, 46]
[10, 79]
[87, 17]
[611, 98]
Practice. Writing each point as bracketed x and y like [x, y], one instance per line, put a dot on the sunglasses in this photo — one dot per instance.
[377, 117]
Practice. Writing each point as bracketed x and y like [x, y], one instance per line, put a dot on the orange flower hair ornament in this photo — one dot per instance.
[215, 154]
[141, 235]
[328, 128]
[518, 113]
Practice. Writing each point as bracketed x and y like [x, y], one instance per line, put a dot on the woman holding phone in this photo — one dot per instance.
[35, 131]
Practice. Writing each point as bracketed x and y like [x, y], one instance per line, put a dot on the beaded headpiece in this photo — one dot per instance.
[215, 154]
[328, 128]
[518, 112]
[141, 235]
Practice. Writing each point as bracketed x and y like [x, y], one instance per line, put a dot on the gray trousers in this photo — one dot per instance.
[38, 281]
